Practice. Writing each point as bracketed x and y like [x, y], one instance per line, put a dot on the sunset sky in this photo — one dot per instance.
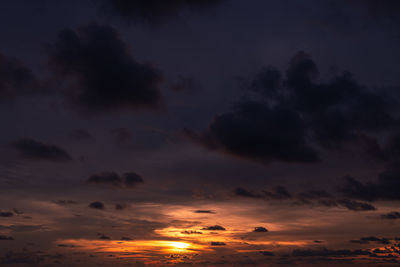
[200, 133]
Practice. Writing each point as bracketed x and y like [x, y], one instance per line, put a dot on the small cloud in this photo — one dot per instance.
[267, 253]
[34, 150]
[97, 205]
[218, 244]
[260, 230]
[214, 228]
[205, 211]
[391, 215]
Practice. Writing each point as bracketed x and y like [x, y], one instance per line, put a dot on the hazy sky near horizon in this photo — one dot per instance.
[200, 132]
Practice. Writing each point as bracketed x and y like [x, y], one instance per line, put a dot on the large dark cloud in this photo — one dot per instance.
[288, 116]
[15, 79]
[311, 197]
[256, 131]
[104, 74]
[127, 180]
[35, 150]
[386, 188]
[153, 11]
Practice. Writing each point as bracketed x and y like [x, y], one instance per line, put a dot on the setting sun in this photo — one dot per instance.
[179, 245]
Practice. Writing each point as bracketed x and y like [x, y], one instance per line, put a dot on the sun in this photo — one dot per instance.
[179, 245]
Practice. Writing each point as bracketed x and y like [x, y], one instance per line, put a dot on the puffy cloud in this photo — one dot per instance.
[104, 74]
[282, 117]
[35, 150]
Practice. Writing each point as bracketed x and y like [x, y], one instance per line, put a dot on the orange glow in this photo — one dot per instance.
[136, 246]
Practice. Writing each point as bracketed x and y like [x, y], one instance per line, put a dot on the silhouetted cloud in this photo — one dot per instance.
[391, 215]
[204, 211]
[214, 228]
[15, 79]
[260, 230]
[280, 115]
[153, 11]
[368, 239]
[218, 244]
[386, 188]
[245, 193]
[97, 205]
[34, 150]
[106, 76]
[3, 237]
[127, 180]
[323, 252]
[267, 253]
[6, 214]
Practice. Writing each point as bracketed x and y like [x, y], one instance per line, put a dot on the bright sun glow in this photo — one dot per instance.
[179, 245]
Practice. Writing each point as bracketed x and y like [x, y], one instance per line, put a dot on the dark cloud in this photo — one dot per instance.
[368, 239]
[386, 188]
[218, 244]
[283, 117]
[34, 150]
[121, 206]
[6, 214]
[191, 232]
[105, 75]
[22, 258]
[127, 180]
[63, 202]
[311, 197]
[258, 132]
[204, 211]
[278, 193]
[97, 205]
[81, 134]
[267, 253]
[214, 228]
[391, 215]
[245, 193]
[355, 205]
[15, 79]
[124, 238]
[260, 230]
[153, 11]
[3, 237]
[379, 8]
[323, 252]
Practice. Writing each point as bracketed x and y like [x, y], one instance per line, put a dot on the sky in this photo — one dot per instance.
[200, 133]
